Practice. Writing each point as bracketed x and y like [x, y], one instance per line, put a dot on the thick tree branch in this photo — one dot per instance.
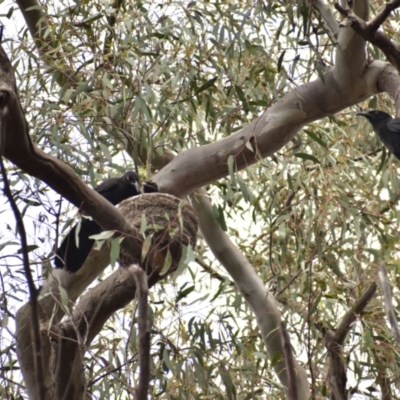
[252, 288]
[350, 55]
[268, 133]
[290, 364]
[337, 377]
[75, 334]
[52, 309]
[96, 306]
[369, 30]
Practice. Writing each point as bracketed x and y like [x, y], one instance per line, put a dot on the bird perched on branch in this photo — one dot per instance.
[71, 254]
[386, 127]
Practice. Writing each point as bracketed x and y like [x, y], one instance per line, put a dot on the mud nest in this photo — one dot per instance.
[167, 225]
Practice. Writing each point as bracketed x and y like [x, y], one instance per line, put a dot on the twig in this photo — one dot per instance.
[212, 272]
[309, 352]
[144, 332]
[387, 296]
[33, 291]
[289, 283]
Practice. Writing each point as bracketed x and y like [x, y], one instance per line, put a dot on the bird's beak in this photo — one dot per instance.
[362, 113]
[137, 186]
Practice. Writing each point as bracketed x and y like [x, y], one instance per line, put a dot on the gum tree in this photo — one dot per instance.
[248, 111]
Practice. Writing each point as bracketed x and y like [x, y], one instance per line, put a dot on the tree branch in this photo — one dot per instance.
[351, 315]
[37, 23]
[328, 17]
[144, 332]
[387, 296]
[97, 305]
[252, 288]
[290, 363]
[89, 316]
[351, 47]
[369, 30]
[337, 378]
[212, 272]
[348, 83]
[389, 82]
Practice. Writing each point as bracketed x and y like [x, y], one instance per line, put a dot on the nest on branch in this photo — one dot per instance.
[168, 225]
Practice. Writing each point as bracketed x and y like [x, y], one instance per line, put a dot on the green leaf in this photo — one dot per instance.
[29, 248]
[146, 247]
[315, 304]
[242, 97]
[167, 264]
[184, 293]
[315, 137]
[103, 235]
[231, 163]
[221, 218]
[64, 297]
[207, 85]
[280, 60]
[306, 156]
[115, 250]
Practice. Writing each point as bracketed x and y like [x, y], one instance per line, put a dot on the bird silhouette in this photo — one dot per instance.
[72, 253]
[386, 127]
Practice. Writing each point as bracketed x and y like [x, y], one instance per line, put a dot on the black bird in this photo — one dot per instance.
[114, 190]
[386, 127]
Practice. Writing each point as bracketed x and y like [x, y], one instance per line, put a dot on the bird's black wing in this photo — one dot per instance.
[394, 125]
[70, 255]
[394, 129]
[108, 188]
[114, 190]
